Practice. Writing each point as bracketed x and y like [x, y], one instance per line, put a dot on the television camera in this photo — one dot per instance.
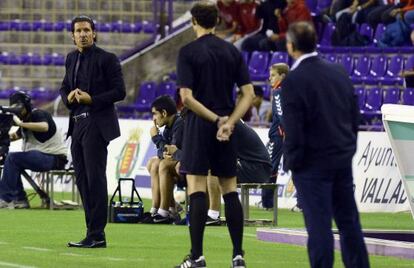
[6, 122]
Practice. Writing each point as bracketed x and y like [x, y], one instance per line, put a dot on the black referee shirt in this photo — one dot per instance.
[210, 67]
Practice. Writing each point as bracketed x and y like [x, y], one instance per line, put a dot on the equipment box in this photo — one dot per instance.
[125, 210]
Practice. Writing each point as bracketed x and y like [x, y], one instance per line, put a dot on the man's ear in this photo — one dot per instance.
[164, 113]
[193, 21]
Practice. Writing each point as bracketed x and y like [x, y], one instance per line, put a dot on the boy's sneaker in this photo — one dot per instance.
[5, 204]
[20, 204]
[296, 209]
[213, 222]
[238, 262]
[158, 219]
[190, 263]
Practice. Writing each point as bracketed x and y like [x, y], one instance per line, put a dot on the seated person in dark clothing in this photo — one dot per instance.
[268, 33]
[253, 166]
[164, 113]
[43, 150]
[253, 114]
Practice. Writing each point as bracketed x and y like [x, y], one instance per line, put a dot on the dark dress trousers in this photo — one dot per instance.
[92, 133]
[320, 113]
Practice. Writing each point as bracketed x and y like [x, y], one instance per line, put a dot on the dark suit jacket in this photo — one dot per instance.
[321, 116]
[106, 86]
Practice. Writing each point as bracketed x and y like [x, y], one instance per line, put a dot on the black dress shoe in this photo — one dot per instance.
[88, 243]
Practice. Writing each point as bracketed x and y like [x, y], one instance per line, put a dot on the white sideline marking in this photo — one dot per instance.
[36, 249]
[73, 254]
[8, 264]
[114, 259]
[249, 235]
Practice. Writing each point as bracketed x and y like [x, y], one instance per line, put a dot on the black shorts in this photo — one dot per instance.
[203, 152]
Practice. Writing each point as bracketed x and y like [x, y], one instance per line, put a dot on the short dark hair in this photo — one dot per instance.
[205, 13]
[23, 98]
[82, 18]
[164, 102]
[303, 36]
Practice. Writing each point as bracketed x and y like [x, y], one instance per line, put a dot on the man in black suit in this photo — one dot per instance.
[321, 115]
[93, 83]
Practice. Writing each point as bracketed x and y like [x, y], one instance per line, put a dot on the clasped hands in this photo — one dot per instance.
[224, 129]
[80, 96]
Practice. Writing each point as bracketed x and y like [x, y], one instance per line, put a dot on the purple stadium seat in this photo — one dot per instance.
[348, 62]
[167, 88]
[116, 26]
[37, 25]
[137, 27]
[149, 27]
[26, 26]
[48, 26]
[10, 58]
[391, 95]
[47, 59]
[377, 71]
[146, 96]
[379, 31]
[127, 27]
[103, 27]
[59, 26]
[68, 24]
[58, 59]
[5, 93]
[15, 25]
[366, 29]
[4, 25]
[323, 4]
[408, 96]
[42, 94]
[26, 58]
[360, 92]
[258, 65]
[279, 57]
[362, 68]
[37, 59]
[395, 66]
[409, 64]
[326, 36]
[373, 101]
[267, 91]
[330, 57]
[312, 5]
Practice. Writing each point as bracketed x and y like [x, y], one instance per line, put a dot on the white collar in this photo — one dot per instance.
[301, 58]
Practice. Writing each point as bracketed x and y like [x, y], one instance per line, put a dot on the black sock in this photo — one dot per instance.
[198, 217]
[235, 221]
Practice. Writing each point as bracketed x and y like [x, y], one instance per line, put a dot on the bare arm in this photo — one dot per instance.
[33, 126]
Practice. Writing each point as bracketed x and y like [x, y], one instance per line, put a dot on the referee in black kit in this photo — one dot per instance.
[207, 69]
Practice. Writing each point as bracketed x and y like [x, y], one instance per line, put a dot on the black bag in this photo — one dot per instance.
[125, 211]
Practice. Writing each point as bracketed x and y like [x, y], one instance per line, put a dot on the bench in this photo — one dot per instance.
[245, 187]
[49, 178]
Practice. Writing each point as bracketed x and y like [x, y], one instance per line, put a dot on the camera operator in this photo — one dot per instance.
[43, 150]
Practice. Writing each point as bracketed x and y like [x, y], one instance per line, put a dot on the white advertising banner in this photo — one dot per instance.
[378, 187]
